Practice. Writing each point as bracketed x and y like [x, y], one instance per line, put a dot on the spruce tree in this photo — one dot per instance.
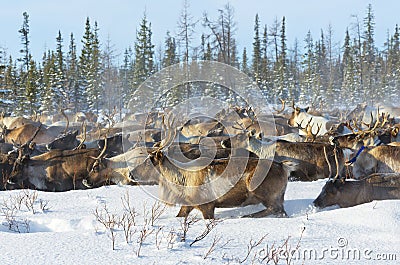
[4, 93]
[49, 83]
[24, 31]
[126, 76]
[309, 74]
[394, 74]
[10, 84]
[282, 69]
[85, 66]
[32, 99]
[264, 64]
[96, 81]
[90, 69]
[244, 65]
[256, 57]
[72, 76]
[144, 52]
[62, 94]
[350, 84]
[170, 54]
[368, 57]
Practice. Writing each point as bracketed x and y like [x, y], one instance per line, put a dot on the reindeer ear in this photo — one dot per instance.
[259, 136]
[306, 109]
[297, 109]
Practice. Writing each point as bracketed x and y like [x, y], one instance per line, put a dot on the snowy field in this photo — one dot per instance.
[64, 228]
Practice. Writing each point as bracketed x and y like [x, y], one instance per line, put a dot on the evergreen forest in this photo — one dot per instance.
[309, 71]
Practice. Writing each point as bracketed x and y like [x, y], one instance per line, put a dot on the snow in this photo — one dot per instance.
[63, 229]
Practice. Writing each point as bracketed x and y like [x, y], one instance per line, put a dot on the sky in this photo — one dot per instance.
[119, 19]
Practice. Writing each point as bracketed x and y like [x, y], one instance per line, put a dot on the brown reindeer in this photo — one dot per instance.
[24, 133]
[56, 170]
[378, 186]
[379, 159]
[204, 185]
[309, 156]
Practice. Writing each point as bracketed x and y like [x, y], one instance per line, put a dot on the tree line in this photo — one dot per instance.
[316, 72]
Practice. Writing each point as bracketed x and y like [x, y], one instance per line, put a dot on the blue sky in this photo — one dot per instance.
[119, 19]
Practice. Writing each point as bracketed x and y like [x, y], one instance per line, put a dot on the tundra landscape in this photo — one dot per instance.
[198, 149]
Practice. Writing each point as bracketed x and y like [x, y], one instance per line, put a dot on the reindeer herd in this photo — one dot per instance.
[238, 157]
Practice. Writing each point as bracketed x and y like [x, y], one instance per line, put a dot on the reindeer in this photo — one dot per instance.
[301, 115]
[377, 186]
[204, 185]
[376, 133]
[308, 156]
[379, 159]
[115, 169]
[56, 170]
[308, 131]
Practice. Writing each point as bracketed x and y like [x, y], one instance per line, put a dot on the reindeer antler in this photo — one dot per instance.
[373, 128]
[171, 133]
[304, 129]
[292, 105]
[84, 136]
[310, 134]
[104, 149]
[283, 106]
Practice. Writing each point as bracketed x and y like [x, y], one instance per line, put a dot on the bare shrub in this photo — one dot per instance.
[213, 246]
[29, 199]
[251, 246]
[276, 253]
[128, 208]
[127, 224]
[12, 221]
[171, 238]
[12, 207]
[109, 220]
[157, 209]
[127, 221]
[143, 234]
[209, 227]
[43, 204]
[186, 223]
[146, 229]
[158, 237]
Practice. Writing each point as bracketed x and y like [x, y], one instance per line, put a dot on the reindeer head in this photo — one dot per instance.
[96, 172]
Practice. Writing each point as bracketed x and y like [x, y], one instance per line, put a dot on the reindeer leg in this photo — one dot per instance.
[272, 206]
[184, 211]
[207, 210]
[268, 211]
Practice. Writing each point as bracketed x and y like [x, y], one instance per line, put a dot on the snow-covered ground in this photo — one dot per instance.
[63, 228]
